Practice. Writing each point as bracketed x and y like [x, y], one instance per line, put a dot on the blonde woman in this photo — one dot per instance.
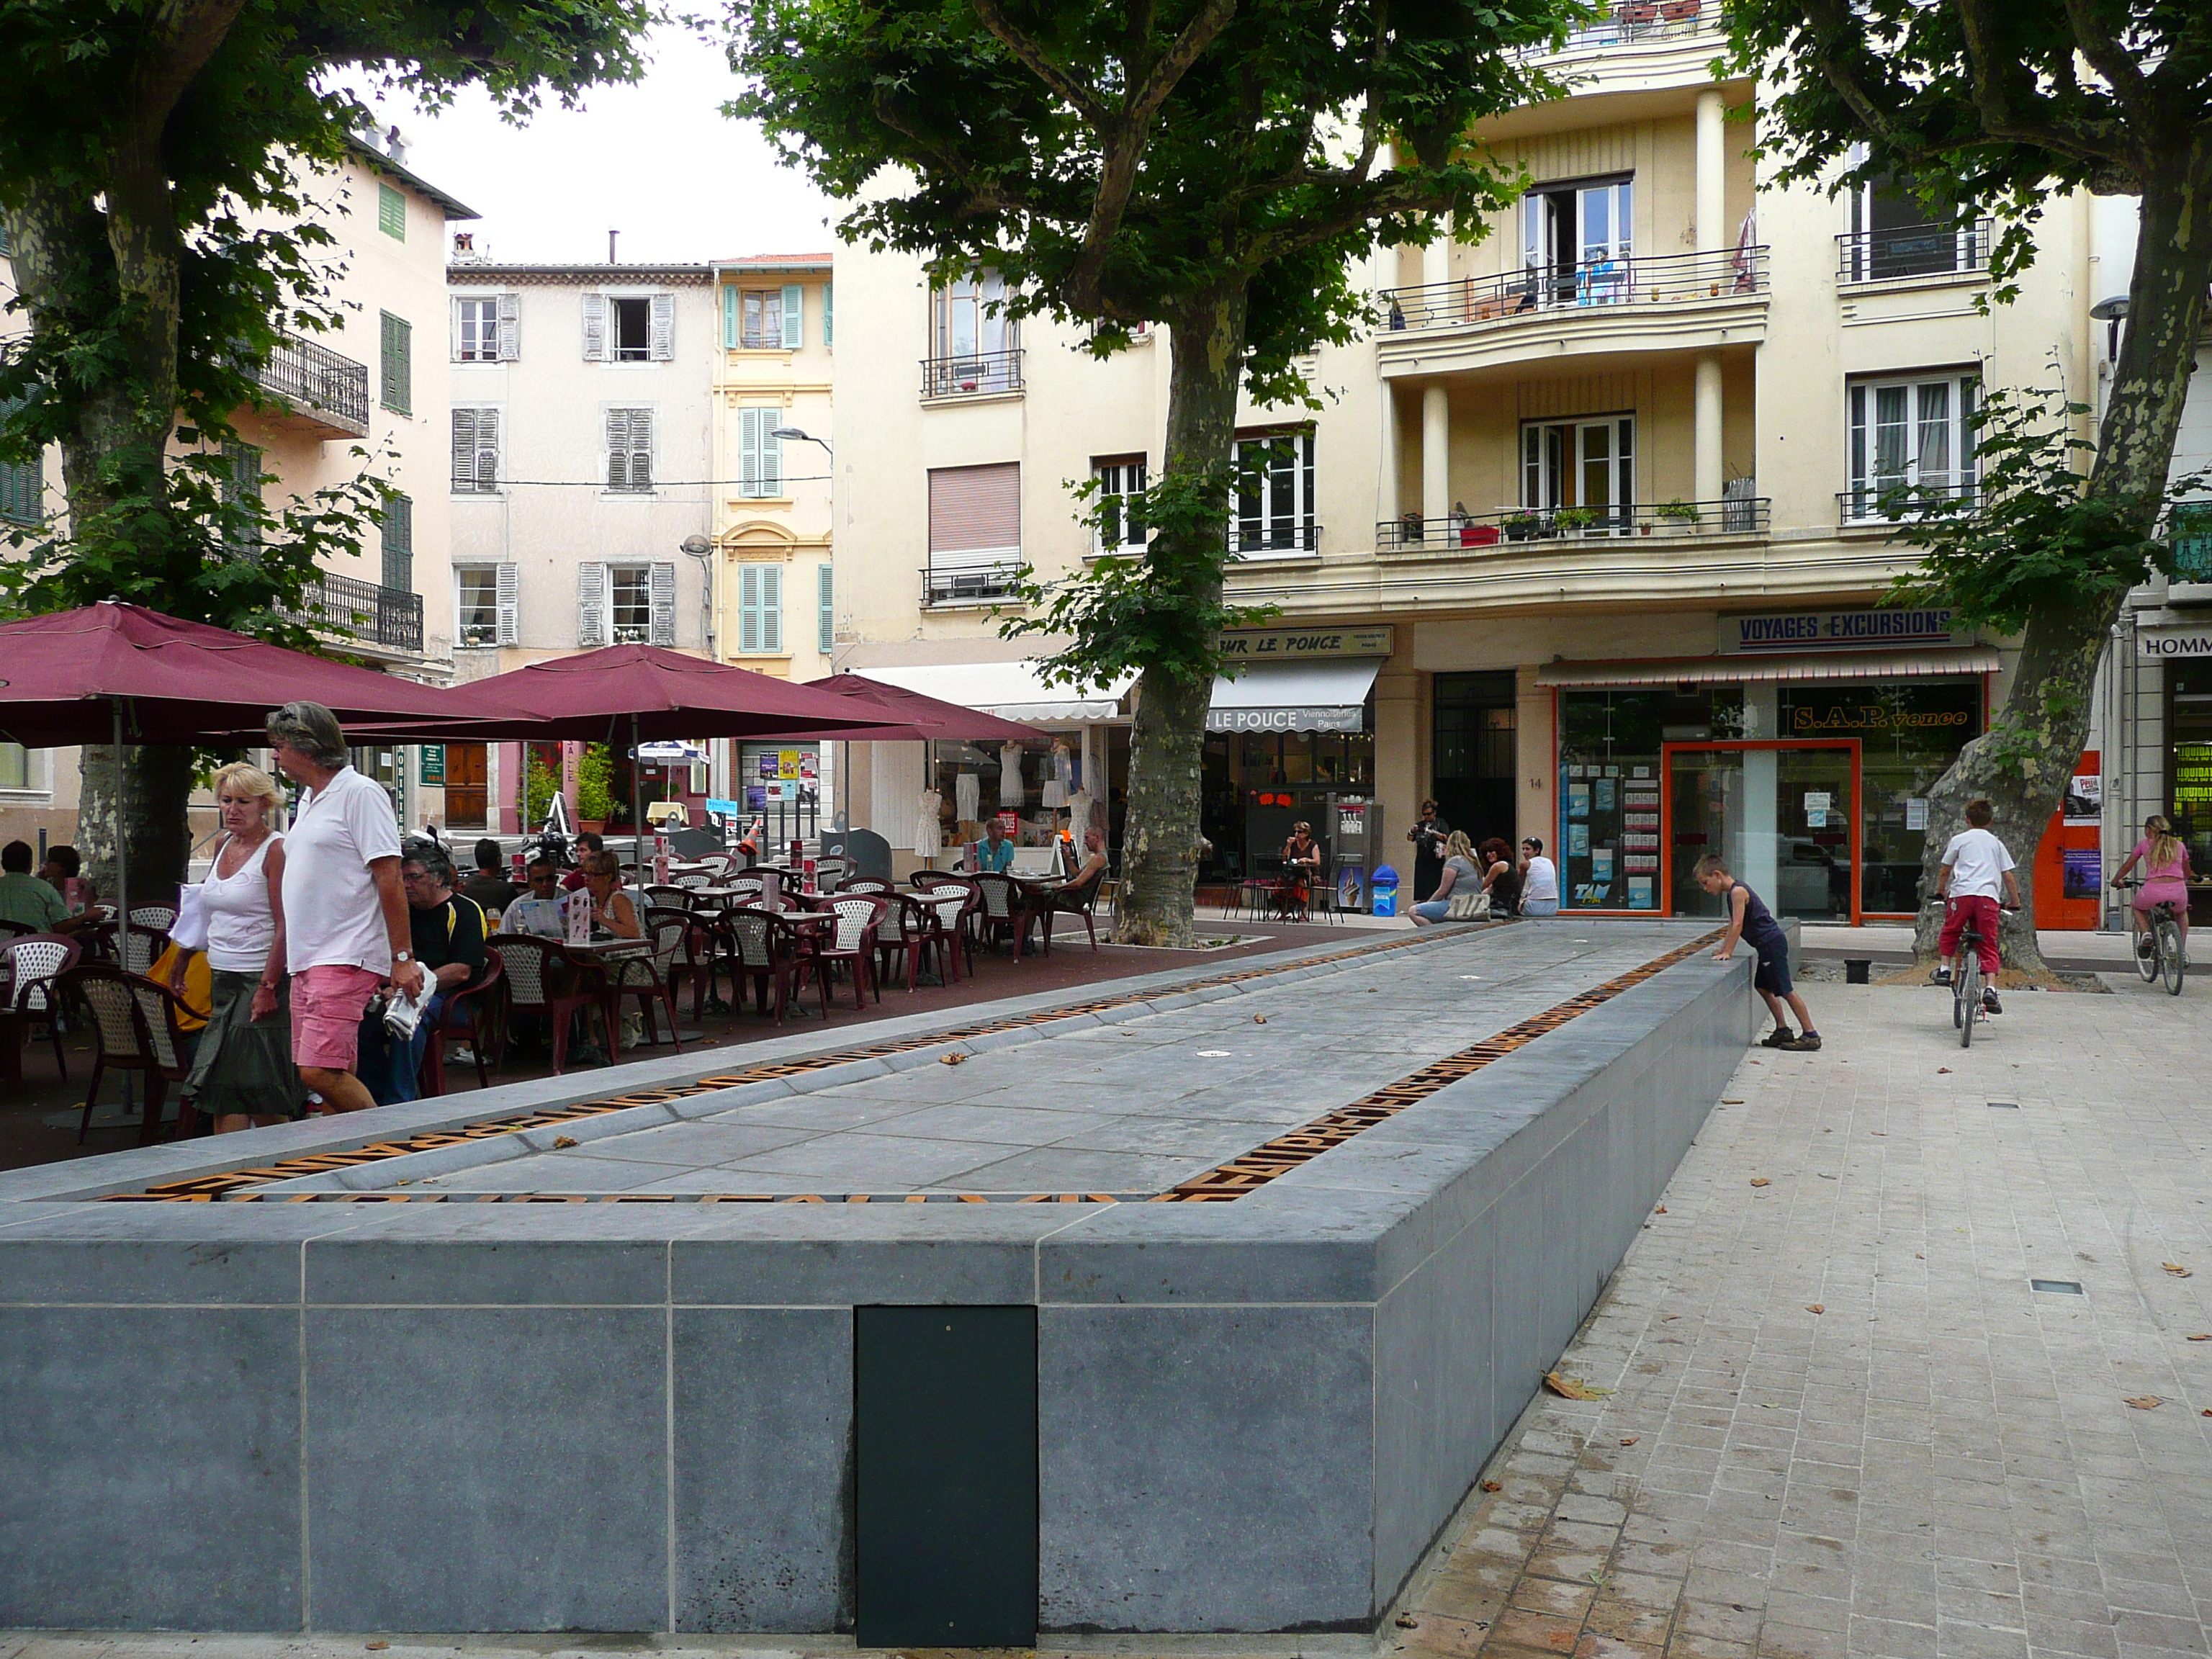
[2164, 861]
[1458, 876]
[243, 1073]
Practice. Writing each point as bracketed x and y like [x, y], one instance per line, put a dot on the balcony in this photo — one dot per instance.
[1879, 502]
[1639, 23]
[1672, 301]
[380, 621]
[324, 393]
[985, 374]
[1894, 252]
[1479, 532]
[2192, 534]
[1253, 539]
[956, 582]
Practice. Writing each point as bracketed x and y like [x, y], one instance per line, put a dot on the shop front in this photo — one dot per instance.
[2189, 770]
[1807, 768]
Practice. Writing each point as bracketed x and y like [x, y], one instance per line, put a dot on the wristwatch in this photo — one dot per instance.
[403, 955]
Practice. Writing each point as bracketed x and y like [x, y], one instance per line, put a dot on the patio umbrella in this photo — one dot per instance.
[116, 673]
[923, 718]
[657, 693]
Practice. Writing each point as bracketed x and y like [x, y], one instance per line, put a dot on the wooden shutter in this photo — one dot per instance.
[771, 608]
[487, 451]
[591, 606]
[760, 609]
[759, 453]
[663, 328]
[825, 314]
[629, 449]
[595, 328]
[729, 317]
[975, 509]
[397, 362]
[510, 327]
[398, 543]
[508, 591]
[826, 619]
[749, 577]
[391, 212]
[662, 592]
[465, 450]
[794, 312]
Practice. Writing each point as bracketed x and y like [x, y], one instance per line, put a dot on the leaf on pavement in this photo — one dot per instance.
[1814, 1307]
[1630, 1439]
[951, 1059]
[1760, 1181]
[2176, 1269]
[561, 1143]
[1568, 1388]
[1662, 1210]
[2201, 1336]
[1259, 1019]
[2144, 1402]
[1491, 1485]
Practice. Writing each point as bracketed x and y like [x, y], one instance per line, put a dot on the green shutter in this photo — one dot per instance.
[22, 484]
[729, 319]
[827, 623]
[825, 314]
[771, 609]
[391, 213]
[399, 543]
[795, 316]
[398, 364]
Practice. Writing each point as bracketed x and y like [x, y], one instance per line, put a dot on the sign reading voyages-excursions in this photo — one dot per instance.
[1840, 630]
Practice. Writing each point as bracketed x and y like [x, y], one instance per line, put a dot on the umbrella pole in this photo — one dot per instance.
[637, 798]
[122, 851]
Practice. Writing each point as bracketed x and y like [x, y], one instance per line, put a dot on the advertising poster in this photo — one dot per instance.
[1577, 840]
[1640, 892]
[2084, 801]
[1601, 863]
[2084, 872]
[1578, 800]
[1602, 794]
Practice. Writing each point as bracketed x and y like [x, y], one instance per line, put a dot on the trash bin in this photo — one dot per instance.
[1856, 969]
[1383, 884]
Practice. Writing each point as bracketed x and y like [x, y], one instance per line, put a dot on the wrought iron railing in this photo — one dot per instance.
[363, 612]
[982, 374]
[1875, 256]
[969, 585]
[1734, 515]
[1256, 539]
[1638, 22]
[312, 376]
[1624, 283]
[1893, 500]
[2190, 531]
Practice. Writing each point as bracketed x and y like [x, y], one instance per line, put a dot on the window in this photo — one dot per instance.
[1275, 494]
[1121, 501]
[825, 610]
[760, 609]
[398, 535]
[485, 329]
[476, 452]
[1910, 436]
[391, 213]
[629, 329]
[974, 346]
[1892, 235]
[14, 767]
[761, 319]
[241, 496]
[629, 451]
[626, 604]
[396, 359]
[476, 605]
[1586, 467]
[22, 486]
[760, 454]
[975, 532]
[1575, 241]
[629, 602]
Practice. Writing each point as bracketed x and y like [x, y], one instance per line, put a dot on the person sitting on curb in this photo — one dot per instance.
[1751, 922]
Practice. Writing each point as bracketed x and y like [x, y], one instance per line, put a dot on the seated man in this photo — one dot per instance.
[24, 898]
[448, 930]
[489, 887]
[995, 852]
[541, 909]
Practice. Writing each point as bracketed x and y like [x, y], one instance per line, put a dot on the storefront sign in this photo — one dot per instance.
[433, 762]
[2181, 644]
[1304, 644]
[1839, 630]
[1351, 718]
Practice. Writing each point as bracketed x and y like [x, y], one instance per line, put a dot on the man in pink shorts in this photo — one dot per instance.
[346, 924]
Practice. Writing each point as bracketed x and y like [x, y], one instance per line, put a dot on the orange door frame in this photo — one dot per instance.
[1666, 753]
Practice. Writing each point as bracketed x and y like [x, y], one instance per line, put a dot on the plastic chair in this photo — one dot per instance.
[693, 956]
[910, 928]
[34, 961]
[475, 1015]
[653, 979]
[134, 1028]
[1046, 902]
[149, 934]
[954, 903]
[866, 885]
[1003, 905]
[669, 896]
[860, 920]
[529, 966]
[766, 951]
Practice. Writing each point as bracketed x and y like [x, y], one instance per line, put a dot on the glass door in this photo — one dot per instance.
[1816, 851]
[1705, 798]
[1783, 817]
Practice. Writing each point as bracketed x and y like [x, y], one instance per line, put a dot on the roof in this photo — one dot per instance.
[477, 270]
[768, 262]
[380, 162]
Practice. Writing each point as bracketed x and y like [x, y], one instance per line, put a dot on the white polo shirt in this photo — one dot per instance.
[332, 916]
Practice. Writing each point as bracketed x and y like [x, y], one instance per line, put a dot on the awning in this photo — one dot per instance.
[1808, 665]
[1295, 697]
[1012, 690]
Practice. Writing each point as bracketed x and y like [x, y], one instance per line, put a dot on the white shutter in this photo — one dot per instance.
[663, 327]
[488, 450]
[507, 590]
[826, 620]
[794, 312]
[453, 329]
[465, 450]
[510, 327]
[825, 314]
[662, 592]
[629, 449]
[749, 608]
[617, 449]
[591, 606]
[771, 608]
[595, 328]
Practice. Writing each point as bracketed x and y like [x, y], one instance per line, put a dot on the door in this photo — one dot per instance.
[1586, 464]
[1783, 816]
[465, 793]
[945, 1417]
[1575, 241]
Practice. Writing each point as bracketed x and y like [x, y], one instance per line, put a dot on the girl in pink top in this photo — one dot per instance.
[2165, 879]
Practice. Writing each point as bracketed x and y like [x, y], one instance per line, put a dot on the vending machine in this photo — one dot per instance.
[1355, 823]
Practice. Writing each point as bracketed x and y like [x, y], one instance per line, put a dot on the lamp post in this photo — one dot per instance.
[801, 434]
[698, 547]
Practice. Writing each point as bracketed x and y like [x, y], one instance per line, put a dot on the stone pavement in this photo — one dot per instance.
[1839, 1419]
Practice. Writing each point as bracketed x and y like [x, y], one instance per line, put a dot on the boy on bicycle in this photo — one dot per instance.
[1750, 920]
[1975, 867]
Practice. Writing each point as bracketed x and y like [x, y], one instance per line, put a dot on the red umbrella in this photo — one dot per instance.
[921, 719]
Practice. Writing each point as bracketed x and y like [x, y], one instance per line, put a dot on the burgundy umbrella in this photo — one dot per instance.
[921, 719]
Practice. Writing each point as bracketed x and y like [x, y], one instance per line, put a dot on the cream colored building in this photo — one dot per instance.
[1588, 540]
[369, 395]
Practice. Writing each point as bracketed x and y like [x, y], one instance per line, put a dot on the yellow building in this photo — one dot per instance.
[1587, 541]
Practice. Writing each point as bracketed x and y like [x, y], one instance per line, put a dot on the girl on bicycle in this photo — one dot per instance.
[2164, 881]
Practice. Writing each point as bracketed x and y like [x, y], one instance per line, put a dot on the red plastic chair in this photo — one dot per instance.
[134, 1027]
[33, 961]
[475, 1015]
[860, 920]
[534, 967]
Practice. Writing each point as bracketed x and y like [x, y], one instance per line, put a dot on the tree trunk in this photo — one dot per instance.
[2021, 763]
[158, 781]
[1160, 836]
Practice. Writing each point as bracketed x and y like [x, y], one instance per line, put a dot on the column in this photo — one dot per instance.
[1385, 485]
[1711, 471]
[1758, 860]
[1436, 257]
[1436, 460]
[1712, 172]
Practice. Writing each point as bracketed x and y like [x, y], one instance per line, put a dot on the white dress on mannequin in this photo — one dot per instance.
[1010, 777]
[1057, 778]
[927, 838]
[968, 797]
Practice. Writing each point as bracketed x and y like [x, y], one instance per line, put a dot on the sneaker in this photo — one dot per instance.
[1780, 1037]
[464, 1056]
[1942, 977]
[1989, 999]
[2142, 944]
[1808, 1043]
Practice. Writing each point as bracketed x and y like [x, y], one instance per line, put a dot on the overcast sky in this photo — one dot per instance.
[658, 161]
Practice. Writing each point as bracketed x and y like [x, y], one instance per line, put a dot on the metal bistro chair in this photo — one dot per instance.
[860, 921]
[528, 964]
[652, 979]
[34, 961]
[475, 1015]
[134, 1028]
[764, 951]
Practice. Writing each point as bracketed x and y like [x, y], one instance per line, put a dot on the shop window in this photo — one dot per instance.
[1910, 442]
[2189, 778]
[1610, 778]
[1274, 496]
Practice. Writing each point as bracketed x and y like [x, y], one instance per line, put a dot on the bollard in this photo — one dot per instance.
[1855, 970]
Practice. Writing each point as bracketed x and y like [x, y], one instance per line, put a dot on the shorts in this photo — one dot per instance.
[326, 1008]
[2162, 892]
[1772, 974]
[1539, 907]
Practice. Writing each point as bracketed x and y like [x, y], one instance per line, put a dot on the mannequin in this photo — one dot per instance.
[927, 836]
[1010, 777]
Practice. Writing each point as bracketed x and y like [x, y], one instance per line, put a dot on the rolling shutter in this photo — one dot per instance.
[663, 595]
[794, 312]
[510, 327]
[591, 606]
[976, 510]
[509, 594]
[595, 328]
[825, 594]
[663, 328]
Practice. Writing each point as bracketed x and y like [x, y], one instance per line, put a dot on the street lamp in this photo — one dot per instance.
[801, 435]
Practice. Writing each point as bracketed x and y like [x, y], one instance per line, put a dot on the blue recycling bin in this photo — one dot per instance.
[1383, 884]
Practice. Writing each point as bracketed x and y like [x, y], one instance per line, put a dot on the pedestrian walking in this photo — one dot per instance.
[1750, 922]
[346, 918]
[242, 1072]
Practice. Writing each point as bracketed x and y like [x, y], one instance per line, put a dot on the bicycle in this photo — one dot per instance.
[1967, 1005]
[2165, 957]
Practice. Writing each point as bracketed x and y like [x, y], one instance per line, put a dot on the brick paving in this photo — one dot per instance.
[1839, 1422]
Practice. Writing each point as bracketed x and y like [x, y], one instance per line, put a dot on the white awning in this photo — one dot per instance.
[1295, 697]
[1808, 665]
[1012, 690]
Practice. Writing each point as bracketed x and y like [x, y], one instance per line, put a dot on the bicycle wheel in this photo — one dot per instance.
[2146, 965]
[1970, 994]
[2169, 949]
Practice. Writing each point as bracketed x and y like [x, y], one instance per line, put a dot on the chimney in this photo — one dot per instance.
[611, 234]
[395, 145]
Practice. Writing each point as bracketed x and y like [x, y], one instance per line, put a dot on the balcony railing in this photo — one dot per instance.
[1622, 282]
[968, 585]
[1735, 515]
[1896, 501]
[2191, 533]
[1875, 256]
[1260, 539]
[1636, 23]
[390, 618]
[327, 388]
[985, 374]
[761, 339]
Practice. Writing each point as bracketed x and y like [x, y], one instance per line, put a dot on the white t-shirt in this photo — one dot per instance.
[1978, 861]
[1541, 880]
[332, 917]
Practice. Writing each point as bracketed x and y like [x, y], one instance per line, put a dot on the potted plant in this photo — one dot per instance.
[1523, 526]
[1574, 520]
[595, 787]
[1680, 516]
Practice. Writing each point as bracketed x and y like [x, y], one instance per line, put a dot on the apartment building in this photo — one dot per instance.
[1590, 541]
[364, 396]
[582, 461]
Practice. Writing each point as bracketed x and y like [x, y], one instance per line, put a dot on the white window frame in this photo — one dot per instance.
[638, 630]
[602, 325]
[488, 633]
[1866, 479]
[1556, 459]
[1603, 256]
[1277, 521]
[486, 327]
[967, 317]
[1122, 479]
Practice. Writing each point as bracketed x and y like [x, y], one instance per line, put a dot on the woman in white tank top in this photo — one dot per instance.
[243, 1073]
